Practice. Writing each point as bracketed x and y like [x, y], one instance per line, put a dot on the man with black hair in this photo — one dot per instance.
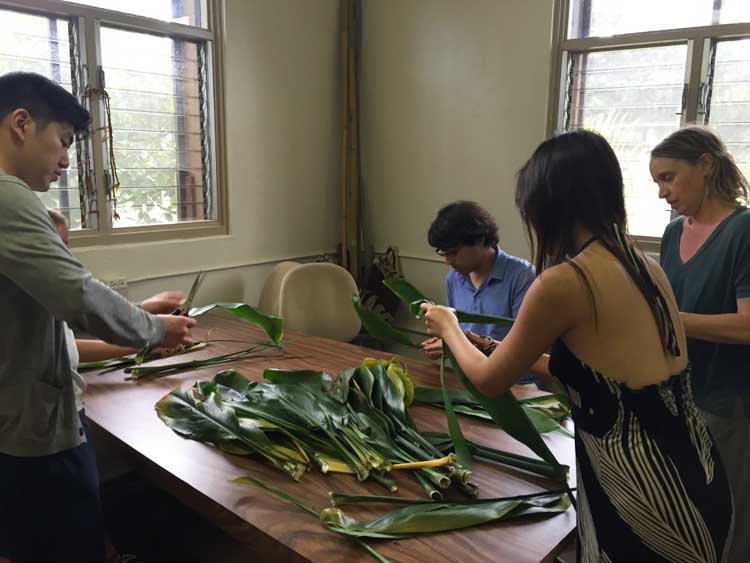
[49, 498]
[482, 277]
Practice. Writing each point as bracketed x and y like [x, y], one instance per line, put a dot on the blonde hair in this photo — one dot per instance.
[726, 181]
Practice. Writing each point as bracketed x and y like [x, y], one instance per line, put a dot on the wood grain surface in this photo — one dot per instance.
[274, 530]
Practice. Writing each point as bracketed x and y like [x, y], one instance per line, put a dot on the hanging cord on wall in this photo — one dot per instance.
[109, 139]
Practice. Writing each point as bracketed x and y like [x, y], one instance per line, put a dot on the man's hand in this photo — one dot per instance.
[177, 330]
[163, 303]
[432, 348]
[483, 343]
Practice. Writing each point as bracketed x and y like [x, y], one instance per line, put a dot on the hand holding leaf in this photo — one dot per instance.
[439, 319]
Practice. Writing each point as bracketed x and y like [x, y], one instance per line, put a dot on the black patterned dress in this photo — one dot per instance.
[651, 486]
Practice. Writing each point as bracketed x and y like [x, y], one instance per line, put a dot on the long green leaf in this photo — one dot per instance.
[407, 293]
[507, 413]
[247, 480]
[444, 443]
[553, 405]
[431, 517]
[250, 353]
[466, 317]
[538, 409]
[378, 327]
[414, 299]
[131, 358]
[459, 442]
[340, 499]
[272, 325]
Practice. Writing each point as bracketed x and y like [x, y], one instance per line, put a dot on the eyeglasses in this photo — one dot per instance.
[447, 252]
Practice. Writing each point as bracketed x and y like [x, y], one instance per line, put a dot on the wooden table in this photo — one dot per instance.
[199, 474]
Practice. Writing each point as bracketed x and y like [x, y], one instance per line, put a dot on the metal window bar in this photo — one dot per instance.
[569, 91]
[56, 76]
[710, 78]
[77, 90]
[205, 140]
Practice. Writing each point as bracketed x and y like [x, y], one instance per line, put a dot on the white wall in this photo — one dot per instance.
[453, 102]
[282, 117]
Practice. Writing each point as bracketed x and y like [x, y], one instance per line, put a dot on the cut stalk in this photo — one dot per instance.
[450, 459]
[432, 492]
[385, 481]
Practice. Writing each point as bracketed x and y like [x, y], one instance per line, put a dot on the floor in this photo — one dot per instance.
[154, 527]
[147, 525]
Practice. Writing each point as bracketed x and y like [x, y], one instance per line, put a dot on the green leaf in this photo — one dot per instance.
[414, 299]
[378, 327]
[247, 480]
[466, 317]
[208, 419]
[317, 381]
[254, 352]
[544, 423]
[272, 325]
[507, 413]
[131, 359]
[407, 293]
[430, 517]
[543, 411]
[425, 394]
[444, 443]
[459, 442]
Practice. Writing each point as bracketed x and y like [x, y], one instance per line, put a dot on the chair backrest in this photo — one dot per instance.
[269, 300]
[317, 299]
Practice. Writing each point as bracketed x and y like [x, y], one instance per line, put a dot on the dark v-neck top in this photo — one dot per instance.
[710, 283]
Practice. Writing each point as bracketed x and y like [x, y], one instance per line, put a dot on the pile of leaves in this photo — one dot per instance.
[356, 423]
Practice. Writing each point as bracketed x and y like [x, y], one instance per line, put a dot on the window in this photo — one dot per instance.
[42, 45]
[149, 74]
[637, 71]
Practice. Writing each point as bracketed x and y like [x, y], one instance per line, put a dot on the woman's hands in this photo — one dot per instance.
[440, 321]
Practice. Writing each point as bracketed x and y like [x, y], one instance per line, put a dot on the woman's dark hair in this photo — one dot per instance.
[726, 181]
[45, 100]
[574, 180]
[462, 223]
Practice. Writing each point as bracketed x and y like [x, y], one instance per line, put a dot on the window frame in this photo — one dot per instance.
[697, 39]
[89, 20]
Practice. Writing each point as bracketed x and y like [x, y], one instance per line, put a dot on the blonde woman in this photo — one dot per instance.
[706, 255]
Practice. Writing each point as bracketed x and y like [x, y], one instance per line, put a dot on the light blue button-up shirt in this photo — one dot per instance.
[501, 293]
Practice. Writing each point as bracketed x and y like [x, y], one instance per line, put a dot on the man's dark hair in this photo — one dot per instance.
[462, 223]
[45, 100]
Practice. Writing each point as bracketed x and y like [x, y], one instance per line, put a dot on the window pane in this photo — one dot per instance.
[729, 110]
[632, 98]
[159, 123]
[39, 44]
[187, 12]
[734, 11]
[600, 18]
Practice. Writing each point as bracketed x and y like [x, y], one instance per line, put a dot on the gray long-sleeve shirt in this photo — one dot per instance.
[42, 285]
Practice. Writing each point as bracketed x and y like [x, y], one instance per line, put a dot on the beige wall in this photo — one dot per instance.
[453, 102]
[281, 82]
